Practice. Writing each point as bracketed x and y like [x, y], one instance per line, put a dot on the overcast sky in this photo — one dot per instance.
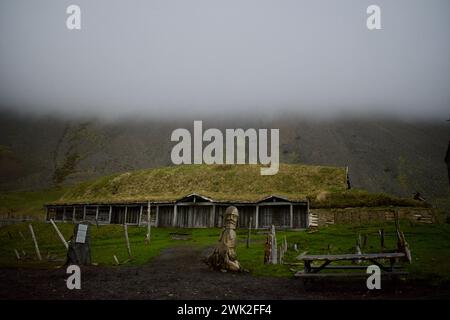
[158, 57]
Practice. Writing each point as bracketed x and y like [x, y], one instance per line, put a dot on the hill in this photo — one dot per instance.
[383, 155]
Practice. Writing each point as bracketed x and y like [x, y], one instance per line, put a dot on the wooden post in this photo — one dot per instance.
[110, 214]
[364, 242]
[157, 216]
[73, 214]
[274, 246]
[64, 214]
[84, 212]
[96, 214]
[212, 216]
[291, 216]
[38, 253]
[358, 251]
[381, 232]
[149, 223]
[174, 222]
[256, 216]
[126, 213]
[59, 234]
[116, 260]
[140, 215]
[125, 229]
[249, 231]
[280, 251]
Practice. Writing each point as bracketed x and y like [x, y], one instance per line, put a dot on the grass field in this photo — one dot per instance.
[430, 245]
[27, 204]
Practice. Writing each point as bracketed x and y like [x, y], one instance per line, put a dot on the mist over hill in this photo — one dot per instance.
[398, 157]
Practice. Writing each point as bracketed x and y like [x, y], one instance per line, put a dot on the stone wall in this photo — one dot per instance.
[323, 217]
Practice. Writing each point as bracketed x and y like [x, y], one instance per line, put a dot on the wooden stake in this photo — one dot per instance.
[17, 254]
[274, 246]
[125, 228]
[381, 232]
[59, 234]
[38, 253]
[149, 223]
[358, 251]
[364, 244]
[21, 235]
[116, 260]
[281, 255]
[249, 231]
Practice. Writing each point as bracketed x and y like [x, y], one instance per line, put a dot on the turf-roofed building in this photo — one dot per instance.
[196, 196]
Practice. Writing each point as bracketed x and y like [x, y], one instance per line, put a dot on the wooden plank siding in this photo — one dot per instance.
[165, 216]
[189, 212]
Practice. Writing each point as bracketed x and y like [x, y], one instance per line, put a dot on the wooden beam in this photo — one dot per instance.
[213, 216]
[174, 221]
[249, 231]
[257, 216]
[149, 222]
[291, 216]
[59, 234]
[36, 247]
[127, 240]
[116, 260]
[351, 256]
[140, 215]
[110, 214]
[284, 203]
[17, 254]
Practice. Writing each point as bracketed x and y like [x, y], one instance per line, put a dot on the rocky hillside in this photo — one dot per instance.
[390, 156]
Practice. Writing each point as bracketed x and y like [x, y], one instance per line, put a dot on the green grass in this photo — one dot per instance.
[219, 182]
[363, 198]
[430, 245]
[27, 203]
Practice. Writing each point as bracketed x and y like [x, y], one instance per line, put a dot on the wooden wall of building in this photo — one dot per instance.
[200, 215]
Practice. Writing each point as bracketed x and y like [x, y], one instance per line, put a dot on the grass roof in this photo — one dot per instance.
[218, 182]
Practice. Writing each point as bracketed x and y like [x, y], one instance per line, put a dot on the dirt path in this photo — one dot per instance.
[178, 273]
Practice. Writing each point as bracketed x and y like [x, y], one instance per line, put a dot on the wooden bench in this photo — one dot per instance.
[374, 258]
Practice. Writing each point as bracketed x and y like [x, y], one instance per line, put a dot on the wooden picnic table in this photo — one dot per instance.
[329, 258]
